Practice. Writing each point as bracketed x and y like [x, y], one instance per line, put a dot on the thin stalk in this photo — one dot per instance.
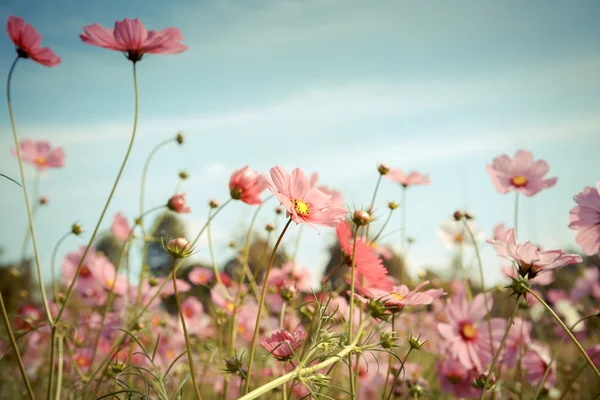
[261, 305]
[573, 380]
[351, 317]
[52, 362]
[185, 333]
[389, 368]
[302, 372]
[372, 206]
[15, 348]
[387, 220]
[567, 330]
[38, 263]
[398, 373]
[112, 192]
[53, 261]
[59, 377]
[297, 244]
[35, 196]
[497, 355]
[211, 252]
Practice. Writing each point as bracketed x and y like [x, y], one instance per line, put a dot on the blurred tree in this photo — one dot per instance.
[110, 246]
[167, 226]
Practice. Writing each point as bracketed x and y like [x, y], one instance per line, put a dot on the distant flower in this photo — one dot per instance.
[588, 284]
[585, 218]
[28, 42]
[400, 296]
[201, 276]
[304, 204]
[519, 174]
[456, 379]
[41, 155]
[177, 203]
[131, 37]
[454, 234]
[530, 259]
[412, 179]
[283, 344]
[466, 334]
[535, 361]
[366, 262]
[120, 227]
[517, 341]
[247, 185]
[499, 231]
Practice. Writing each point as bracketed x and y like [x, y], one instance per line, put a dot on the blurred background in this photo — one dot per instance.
[330, 86]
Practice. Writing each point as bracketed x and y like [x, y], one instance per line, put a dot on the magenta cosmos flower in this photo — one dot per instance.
[131, 37]
[304, 204]
[247, 185]
[283, 344]
[177, 204]
[519, 174]
[413, 178]
[400, 296]
[585, 218]
[529, 258]
[41, 155]
[366, 262]
[28, 42]
[466, 334]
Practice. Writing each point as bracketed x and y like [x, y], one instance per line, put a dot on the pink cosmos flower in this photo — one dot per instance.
[28, 318]
[120, 227]
[543, 278]
[456, 379]
[131, 37]
[412, 179]
[246, 184]
[466, 334]
[283, 344]
[41, 155]
[535, 361]
[585, 219]
[499, 231]
[530, 259]
[337, 200]
[519, 174]
[400, 296]
[94, 277]
[177, 203]
[299, 274]
[366, 262]
[587, 284]
[304, 204]
[517, 341]
[201, 276]
[28, 42]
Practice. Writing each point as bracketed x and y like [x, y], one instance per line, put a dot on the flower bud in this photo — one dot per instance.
[270, 227]
[76, 229]
[179, 137]
[361, 218]
[43, 200]
[152, 281]
[213, 204]
[184, 175]
[278, 210]
[178, 248]
[415, 343]
[232, 244]
[383, 169]
[392, 205]
[387, 340]
[458, 215]
[288, 291]
[479, 382]
[377, 309]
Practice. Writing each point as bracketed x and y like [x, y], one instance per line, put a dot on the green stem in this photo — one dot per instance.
[60, 367]
[35, 196]
[387, 220]
[497, 355]
[185, 333]
[261, 305]
[15, 348]
[38, 263]
[567, 330]
[53, 261]
[351, 317]
[390, 359]
[573, 380]
[302, 372]
[372, 206]
[114, 187]
[52, 362]
[398, 373]
[212, 255]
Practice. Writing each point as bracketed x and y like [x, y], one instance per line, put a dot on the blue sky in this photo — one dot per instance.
[333, 86]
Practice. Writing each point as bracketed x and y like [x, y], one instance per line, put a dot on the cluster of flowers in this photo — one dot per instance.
[119, 336]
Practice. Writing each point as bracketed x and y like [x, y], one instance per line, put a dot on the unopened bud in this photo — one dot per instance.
[179, 138]
[387, 340]
[152, 281]
[278, 210]
[270, 227]
[392, 205]
[415, 343]
[213, 204]
[232, 244]
[361, 218]
[288, 291]
[383, 169]
[184, 175]
[76, 229]
[479, 382]
[178, 248]
[458, 215]
[378, 310]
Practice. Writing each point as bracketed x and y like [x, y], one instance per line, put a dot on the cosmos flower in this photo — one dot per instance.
[247, 185]
[400, 296]
[283, 344]
[454, 234]
[177, 204]
[131, 37]
[120, 227]
[304, 204]
[585, 219]
[28, 42]
[456, 379]
[520, 174]
[412, 179]
[41, 155]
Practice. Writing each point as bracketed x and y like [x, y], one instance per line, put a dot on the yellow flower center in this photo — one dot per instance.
[458, 238]
[109, 282]
[230, 307]
[41, 161]
[519, 181]
[241, 328]
[83, 361]
[170, 354]
[302, 208]
[468, 331]
[188, 312]
[397, 296]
